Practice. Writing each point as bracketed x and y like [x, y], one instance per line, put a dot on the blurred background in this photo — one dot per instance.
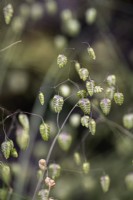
[36, 32]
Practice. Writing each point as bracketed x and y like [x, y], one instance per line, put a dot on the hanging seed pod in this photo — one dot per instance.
[8, 13]
[77, 66]
[42, 164]
[128, 121]
[86, 167]
[58, 103]
[119, 98]
[85, 121]
[98, 89]
[45, 131]
[61, 60]
[85, 105]
[14, 153]
[110, 92]
[105, 105]
[49, 182]
[82, 94]
[6, 148]
[3, 193]
[91, 53]
[83, 73]
[43, 194]
[92, 126]
[90, 87]
[54, 170]
[77, 158]
[129, 181]
[64, 141]
[22, 138]
[105, 183]
[111, 80]
[5, 173]
[41, 98]
[24, 121]
[39, 174]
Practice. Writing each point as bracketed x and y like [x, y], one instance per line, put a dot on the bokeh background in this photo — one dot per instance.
[43, 30]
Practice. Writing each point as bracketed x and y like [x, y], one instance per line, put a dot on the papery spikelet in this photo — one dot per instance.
[41, 98]
[105, 183]
[128, 121]
[8, 13]
[24, 121]
[98, 89]
[91, 53]
[64, 141]
[58, 103]
[45, 131]
[111, 80]
[90, 87]
[43, 194]
[86, 167]
[61, 60]
[105, 105]
[5, 173]
[110, 92]
[82, 94]
[92, 126]
[54, 170]
[85, 121]
[77, 158]
[77, 66]
[22, 138]
[83, 73]
[6, 148]
[85, 105]
[129, 181]
[119, 98]
[14, 153]
[3, 193]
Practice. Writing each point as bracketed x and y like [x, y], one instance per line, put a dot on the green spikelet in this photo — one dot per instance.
[111, 80]
[86, 167]
[61, 60]
[22, 138]
[98, 89]
[92, 126]
[58, 103]
[64, 141]
[129, 181]
[43, 194]
[85, 105]
[128, 121]
[3, 193]
[14, 153]
[8, 13]
[110, 92]
[119, 98]
[39, 174]
[6, 148]
[41, 98]
[5, 173]
[90, 87]
[24, 121]
[45, 131]
[105, 105]
[77, 66]
[85, 121]
[77, 158]
[91, 53]
[83, 73]
[105, 183]
[82, 94]
[54, 170]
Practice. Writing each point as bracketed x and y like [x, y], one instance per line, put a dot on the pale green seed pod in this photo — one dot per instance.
[39, 174]
[6, 148]
[45, 131]
[98, 89]
[128, 121]
[51, 7]
[83, 73]
[86, 167]
[41, 98]
[91, 53]
[24, 121]
[77, 66]
[61, 60]
[65, 90]
[90, 87]
[129, 181]
[64, 141]
[3, 193]
[85, 105]
[90, 15]
[8, 13]
[5, 173]
[105, 183]
[14, 153]
[54, 170]
[111, 80]
[82, 94]
[22, 138]
[105, 105]
[110, 92]
[66, 15]
[119, 98]
[85, 121]
[92, 126]
[77, 158]
[57, 103]
[43, 194]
